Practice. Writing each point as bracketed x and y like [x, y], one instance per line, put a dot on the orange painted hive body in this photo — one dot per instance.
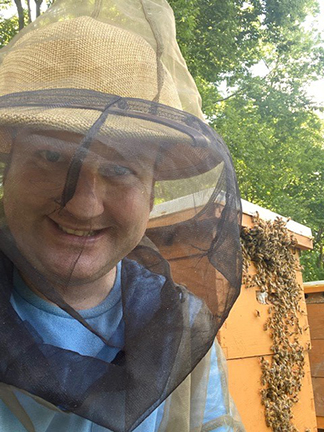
[314, 293]
[242, 337]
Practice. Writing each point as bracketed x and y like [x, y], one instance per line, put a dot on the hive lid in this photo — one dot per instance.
[199, 199]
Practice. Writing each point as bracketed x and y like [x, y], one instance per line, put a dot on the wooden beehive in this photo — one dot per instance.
[314, 293]
[242, 336]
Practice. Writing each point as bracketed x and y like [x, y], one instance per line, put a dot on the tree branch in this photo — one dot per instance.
[20, 11]
[230, 96]
[29, 11]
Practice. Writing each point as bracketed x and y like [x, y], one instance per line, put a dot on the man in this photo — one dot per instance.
[96, 107]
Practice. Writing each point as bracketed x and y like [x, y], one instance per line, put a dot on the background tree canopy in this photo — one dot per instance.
[274, 131]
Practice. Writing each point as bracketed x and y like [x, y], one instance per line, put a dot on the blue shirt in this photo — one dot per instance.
[45, 319]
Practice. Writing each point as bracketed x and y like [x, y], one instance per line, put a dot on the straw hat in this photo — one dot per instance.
[86, 54]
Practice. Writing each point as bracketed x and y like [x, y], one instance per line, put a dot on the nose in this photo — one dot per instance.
[88, 199]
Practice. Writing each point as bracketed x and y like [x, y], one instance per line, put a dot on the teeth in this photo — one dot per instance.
[78, 233]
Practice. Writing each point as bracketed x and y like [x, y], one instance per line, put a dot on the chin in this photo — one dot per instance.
[77, 276]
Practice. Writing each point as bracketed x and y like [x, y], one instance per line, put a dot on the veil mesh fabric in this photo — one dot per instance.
[98, 113]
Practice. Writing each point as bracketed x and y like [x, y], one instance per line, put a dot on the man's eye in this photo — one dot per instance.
[50, 155]
[115, 171]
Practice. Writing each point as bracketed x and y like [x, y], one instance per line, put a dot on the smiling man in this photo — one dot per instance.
[78, 244]
[98, 112]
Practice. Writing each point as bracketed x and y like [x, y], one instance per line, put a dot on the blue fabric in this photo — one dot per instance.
[45, 319]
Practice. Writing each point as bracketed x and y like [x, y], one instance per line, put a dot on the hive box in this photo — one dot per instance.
[242, 336]
[314, 293]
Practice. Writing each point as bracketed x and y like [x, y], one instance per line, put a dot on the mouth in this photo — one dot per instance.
[74, 233]
[78, 233]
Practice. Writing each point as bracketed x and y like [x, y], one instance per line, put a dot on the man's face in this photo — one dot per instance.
[105, 219]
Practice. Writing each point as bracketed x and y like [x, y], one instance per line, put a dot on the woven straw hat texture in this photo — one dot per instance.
[84, 53]
[81, 53]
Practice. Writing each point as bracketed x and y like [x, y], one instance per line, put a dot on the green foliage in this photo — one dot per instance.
[278, 155]
[270, 125]
[312, 270]
[219, 39]
[8, 28]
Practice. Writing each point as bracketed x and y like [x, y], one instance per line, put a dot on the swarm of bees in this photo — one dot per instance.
[272, 249]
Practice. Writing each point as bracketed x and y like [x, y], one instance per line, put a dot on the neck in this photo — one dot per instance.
[81, 296]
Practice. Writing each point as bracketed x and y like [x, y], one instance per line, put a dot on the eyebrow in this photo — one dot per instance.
[71, 142]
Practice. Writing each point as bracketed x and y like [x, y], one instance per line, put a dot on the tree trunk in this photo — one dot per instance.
[38, 7]
[20, 11]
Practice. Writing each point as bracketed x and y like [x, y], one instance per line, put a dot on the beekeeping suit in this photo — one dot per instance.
[99, 118]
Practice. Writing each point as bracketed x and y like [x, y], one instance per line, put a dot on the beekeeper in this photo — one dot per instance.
[98, 116]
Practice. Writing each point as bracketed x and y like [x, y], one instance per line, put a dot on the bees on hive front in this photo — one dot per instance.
[271, 248]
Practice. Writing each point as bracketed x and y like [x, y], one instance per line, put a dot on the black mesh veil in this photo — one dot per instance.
[99, 119]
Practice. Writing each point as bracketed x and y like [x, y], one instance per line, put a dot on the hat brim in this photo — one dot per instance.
[184, 150]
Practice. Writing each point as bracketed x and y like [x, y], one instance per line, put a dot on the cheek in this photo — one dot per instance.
[13, 195]
[22, 202]
[131, 209]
